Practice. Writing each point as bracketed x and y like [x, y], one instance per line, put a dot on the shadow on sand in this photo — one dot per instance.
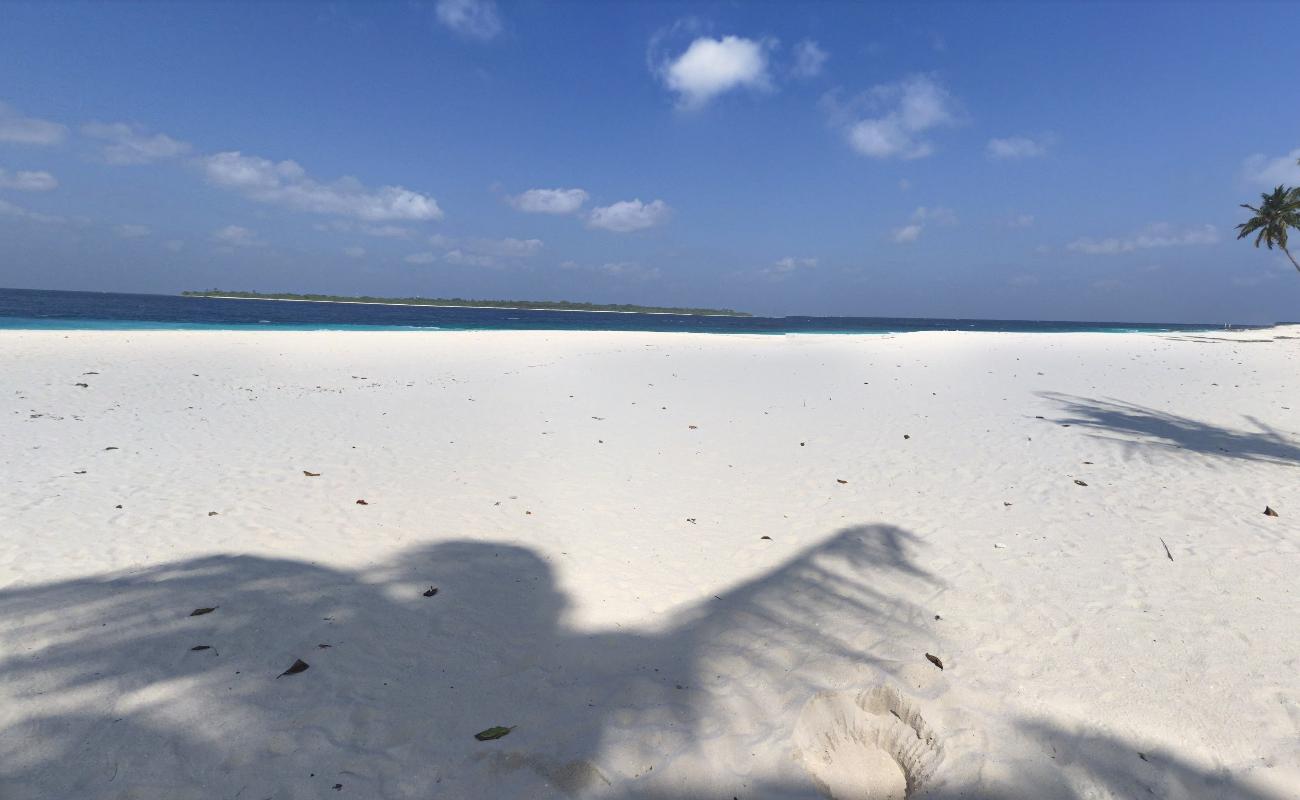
[103, 695]
[1263, 443]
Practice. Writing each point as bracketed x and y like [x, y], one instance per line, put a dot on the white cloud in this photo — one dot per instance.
[421, 258]
[629, 215]
[785, 267]
[131, 144]
[902, 111]
[473, 19]
[286, 183]
[629, 269]
[466, 259]
[907, 234]
[235, 236]
[938, 215]
[1156, 235]
[1023, 280]
[809, 59]
[18, 129]
[383, 231]
[618, 269]
[174, 245]
[28, 181]
[480, 252]
[9, 209]
[710, 67]
[549, 201]
[1107, 285]
[505, 248]
[1019, 221]
[1016, 147]
[354, 252]
[1273, 171]
[921, 217]
[133, 231]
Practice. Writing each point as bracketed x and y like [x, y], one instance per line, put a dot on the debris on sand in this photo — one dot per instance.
[362, 503]
[933, 659]
[298, 666]
[431, 591]
[495, 732]
[198, 612]
[1078, 482]
[311, 474]
[1269, 512]
[1171, 555]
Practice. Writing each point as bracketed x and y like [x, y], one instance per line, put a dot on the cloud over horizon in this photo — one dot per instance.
[287, 184]
[1155, 235]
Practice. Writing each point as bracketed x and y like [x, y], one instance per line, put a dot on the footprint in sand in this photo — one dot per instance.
[866, 745]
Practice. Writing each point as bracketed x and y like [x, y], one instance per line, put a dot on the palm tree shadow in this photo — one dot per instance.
[106, 695]
[1154, 427]
[102, 695]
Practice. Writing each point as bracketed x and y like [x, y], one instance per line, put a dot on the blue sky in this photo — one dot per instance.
[1054, 160]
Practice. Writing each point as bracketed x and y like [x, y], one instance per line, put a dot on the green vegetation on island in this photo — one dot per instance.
[533, 305]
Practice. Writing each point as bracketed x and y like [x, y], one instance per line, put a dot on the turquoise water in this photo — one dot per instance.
[27, 309]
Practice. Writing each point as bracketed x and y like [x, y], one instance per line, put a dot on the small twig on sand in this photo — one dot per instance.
[1171, 555]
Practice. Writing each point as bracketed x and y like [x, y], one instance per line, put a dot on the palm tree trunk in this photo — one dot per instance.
[1293, 262]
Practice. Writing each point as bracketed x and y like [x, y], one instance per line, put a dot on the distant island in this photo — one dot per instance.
[457, 302]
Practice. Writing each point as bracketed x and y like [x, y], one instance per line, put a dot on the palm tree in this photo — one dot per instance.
[1278, 210]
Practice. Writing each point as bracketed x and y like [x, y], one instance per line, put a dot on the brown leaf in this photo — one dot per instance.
[933, 659]
[198, 612]
[311, 474]
[298, 666]
[841, 482]
[362, 503]
[212, 513]
[1269, 512]
[769, 538]
[1078, 482]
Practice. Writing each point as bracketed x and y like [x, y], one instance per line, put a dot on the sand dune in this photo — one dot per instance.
[674, 565]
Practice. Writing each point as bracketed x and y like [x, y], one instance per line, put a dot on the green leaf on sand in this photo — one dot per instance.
[495, 732]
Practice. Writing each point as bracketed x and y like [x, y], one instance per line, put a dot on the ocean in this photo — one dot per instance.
[30, 309]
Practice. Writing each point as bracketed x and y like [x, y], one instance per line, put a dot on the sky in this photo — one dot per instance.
[1080, 161]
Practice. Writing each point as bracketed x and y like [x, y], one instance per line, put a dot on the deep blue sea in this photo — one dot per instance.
[35, 309]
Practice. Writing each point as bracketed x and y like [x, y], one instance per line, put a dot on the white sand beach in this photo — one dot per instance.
[674, 565]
